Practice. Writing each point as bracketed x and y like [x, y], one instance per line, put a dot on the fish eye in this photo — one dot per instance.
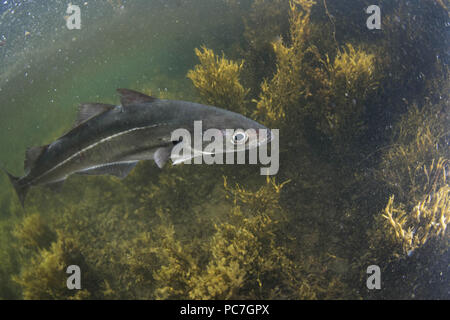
[239, 137]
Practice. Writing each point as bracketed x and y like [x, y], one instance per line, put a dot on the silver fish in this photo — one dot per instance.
[109, 139]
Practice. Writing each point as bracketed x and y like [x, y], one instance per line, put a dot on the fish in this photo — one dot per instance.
[112, 139]
[2, 43]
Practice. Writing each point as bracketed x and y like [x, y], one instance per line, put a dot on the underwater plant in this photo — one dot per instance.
[415, 167]
[422, 216]
[309, 86]
[416, 148]
[411, 231]
[240, 251]
[265, 21]
[289, 84]
[10, 262]
[245, 257]
[45, 277]
[34, 233]
[244, 250]
[428, 219]
[217, 81]
[352, 76]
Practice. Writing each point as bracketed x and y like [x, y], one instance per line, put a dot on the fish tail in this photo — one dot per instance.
[21, 190]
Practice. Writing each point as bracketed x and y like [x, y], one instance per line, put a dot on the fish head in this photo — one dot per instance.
[215, 131]
[236, 132]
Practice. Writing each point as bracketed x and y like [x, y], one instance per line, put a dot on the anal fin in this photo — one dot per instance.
[118, 169]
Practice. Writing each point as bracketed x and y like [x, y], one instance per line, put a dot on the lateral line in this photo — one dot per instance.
[93, 146]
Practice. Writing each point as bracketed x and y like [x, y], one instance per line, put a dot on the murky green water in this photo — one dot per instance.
[363, 116]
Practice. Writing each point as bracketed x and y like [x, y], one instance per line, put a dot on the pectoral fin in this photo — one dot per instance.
[162, 155]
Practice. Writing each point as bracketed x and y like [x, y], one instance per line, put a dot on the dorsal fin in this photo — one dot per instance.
[133, 97]
[31, 156]
[87, 111]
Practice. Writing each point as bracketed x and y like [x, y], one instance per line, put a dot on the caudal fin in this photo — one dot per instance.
[21, 190]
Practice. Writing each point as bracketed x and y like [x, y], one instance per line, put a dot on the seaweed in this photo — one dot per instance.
[428, 219]
[412, 228]
[238, 253]
[416, 149]
[45, 277]
[415, 168]
[352, 77]
[309, 87]
[244, 252]
[289, 84]
[34, 233]
[265, 21]
[217, 81]
[246, 257]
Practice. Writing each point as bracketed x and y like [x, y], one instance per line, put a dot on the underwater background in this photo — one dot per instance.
[364, 150]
